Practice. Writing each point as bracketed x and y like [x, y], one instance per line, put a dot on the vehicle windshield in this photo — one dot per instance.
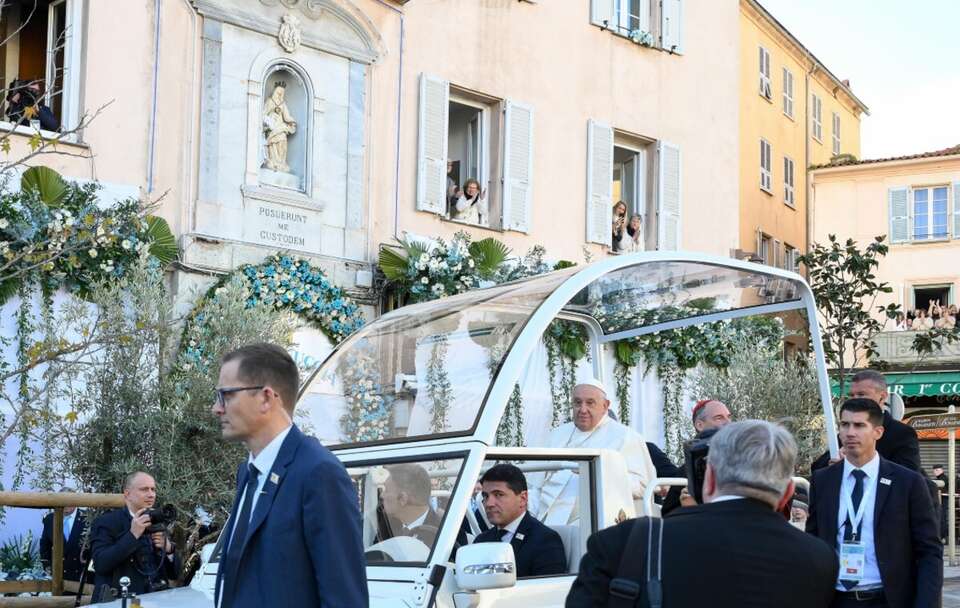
[421, 370]
[403, 505]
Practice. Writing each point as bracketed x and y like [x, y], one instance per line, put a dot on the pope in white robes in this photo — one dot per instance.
[556, 496]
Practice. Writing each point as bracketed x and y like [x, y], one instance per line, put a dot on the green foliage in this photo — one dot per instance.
[760, 384]
[19, 554]
[163, 245]
[845, 288]
[488, 255]
[54, 233]
[46, 184]
[139, 408]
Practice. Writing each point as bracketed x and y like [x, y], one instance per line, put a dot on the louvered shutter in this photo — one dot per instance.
[899, 205]
[432, 145]
[671, 25]
[517, 166]
[669, 199]
[956, 210]
[601, 13]
[599, 183]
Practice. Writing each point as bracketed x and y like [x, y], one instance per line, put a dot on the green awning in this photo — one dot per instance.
[922, 384]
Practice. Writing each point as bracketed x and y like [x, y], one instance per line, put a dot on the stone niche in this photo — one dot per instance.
[283, 130]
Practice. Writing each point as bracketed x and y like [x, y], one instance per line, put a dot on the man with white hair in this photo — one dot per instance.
[734, 550]
[555, 498]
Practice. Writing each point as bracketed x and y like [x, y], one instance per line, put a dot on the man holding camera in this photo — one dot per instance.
[126, 542]
[748, 554]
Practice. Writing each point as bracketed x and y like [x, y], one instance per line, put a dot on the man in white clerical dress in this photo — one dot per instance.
[556, 499]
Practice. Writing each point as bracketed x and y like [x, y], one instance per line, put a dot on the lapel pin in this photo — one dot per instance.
[518, 536]
[885, 481]
[274, 478]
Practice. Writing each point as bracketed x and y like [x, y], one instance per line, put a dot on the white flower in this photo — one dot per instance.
[3, 223]
[425, 281]
[470, 262]
[126, 244]
[92, 253]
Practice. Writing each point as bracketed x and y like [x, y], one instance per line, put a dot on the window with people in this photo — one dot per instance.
[35, 62]
[936, 313]
[475, 157]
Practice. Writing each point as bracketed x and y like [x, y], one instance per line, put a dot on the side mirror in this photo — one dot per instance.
[486, 566]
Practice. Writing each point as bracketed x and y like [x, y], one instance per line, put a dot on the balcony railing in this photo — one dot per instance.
[895, 347]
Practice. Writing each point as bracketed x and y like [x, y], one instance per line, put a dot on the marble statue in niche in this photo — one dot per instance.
[278, 125]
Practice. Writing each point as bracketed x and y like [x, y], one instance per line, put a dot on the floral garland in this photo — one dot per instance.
[510, 430]
[64, 239]
[367, 417]
[566, 344]
[439, 388]
[285, 283]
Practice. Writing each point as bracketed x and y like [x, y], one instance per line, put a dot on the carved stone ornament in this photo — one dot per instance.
[289, 36]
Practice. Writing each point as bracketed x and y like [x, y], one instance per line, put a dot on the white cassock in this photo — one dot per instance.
[555, 501]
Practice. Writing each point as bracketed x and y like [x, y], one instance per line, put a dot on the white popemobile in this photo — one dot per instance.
[429, 384]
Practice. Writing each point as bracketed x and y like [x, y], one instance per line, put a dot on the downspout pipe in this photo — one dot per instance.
[806, 152]
[152, 143]
[396, 176]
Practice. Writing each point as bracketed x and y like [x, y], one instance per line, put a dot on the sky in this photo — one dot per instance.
[902, 59]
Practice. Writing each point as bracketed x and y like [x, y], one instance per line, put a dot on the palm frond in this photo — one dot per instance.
[46, 182]
[488, 254]
[393, 264]
[163, 245]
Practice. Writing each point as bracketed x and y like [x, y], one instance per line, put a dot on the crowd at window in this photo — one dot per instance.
[627, 234]
[935, 316]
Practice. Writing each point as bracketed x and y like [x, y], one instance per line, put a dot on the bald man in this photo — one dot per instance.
[556, 496]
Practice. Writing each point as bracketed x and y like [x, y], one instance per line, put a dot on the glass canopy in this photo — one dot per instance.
[427, 369]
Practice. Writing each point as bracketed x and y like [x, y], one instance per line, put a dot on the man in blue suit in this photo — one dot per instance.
[293, 537]
[537, 548]
[877, 516]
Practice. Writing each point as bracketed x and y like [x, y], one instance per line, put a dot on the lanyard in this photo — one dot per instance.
[857, 516]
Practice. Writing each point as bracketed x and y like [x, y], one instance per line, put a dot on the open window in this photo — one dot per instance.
[644, 175]
[923, 295]
[475, 157]
[40, 58]
[645, 22]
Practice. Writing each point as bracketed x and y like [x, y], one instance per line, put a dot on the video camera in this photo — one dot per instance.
[161, 518]
[695, 463]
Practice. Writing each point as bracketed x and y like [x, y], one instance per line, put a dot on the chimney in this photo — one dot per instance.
[846, 83]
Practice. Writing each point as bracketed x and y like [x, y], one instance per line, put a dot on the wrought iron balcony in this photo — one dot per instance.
[896, 347]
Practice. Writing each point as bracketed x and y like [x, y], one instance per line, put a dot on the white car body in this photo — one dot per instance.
[741, 289]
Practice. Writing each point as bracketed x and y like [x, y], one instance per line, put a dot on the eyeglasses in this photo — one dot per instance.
[223, 392]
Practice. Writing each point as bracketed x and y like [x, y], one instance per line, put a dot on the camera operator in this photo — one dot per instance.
[734, 550]
[132, 542]
[24, 94]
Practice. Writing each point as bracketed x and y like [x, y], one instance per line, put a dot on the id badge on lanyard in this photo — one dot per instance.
[852, 552]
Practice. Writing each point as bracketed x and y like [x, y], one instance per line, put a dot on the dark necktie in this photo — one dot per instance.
[855, 497]
[243, 520]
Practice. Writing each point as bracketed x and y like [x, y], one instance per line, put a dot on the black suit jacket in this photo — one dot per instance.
[72, 566]
[899, 445]
[906, 541]
[117, 553]
[736, 554]
[537, 548]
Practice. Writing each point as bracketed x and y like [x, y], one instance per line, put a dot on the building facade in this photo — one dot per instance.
[794, 114]
[325, 127]
[915, 202]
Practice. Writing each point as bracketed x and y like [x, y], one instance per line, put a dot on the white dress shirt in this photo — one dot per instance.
[871, 571]
[263, 463]
[511, 529]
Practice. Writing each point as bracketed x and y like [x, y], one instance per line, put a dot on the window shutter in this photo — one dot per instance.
[668, 203]
[671, 25]
[599, 183]
[777, 254]
[432, 145]
[517, 166]
[956, 210]
[898, 200]
[601, 13]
